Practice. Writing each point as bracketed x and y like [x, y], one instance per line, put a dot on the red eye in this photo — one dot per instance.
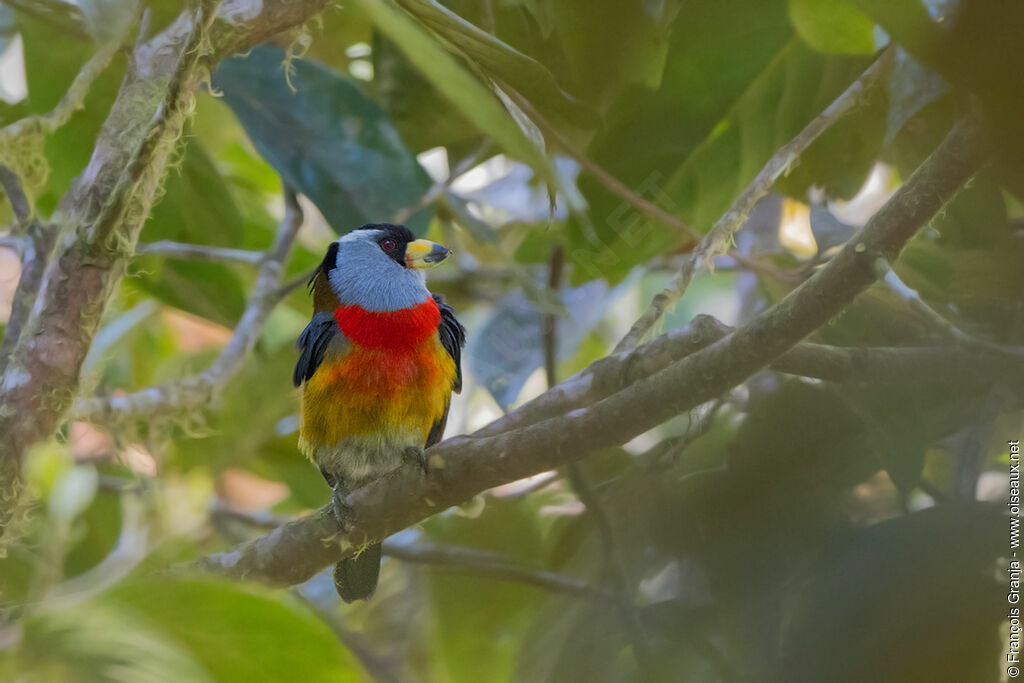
[388, 244]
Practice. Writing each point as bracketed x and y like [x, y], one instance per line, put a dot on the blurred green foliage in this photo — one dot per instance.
[813, 532]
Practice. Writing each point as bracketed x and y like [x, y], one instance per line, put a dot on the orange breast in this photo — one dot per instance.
[395, 394]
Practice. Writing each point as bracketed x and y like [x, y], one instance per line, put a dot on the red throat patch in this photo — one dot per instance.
[399, 330]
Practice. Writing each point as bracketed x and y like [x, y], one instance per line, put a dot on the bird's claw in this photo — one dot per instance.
[417, 456]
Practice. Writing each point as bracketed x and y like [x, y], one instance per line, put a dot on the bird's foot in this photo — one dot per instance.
[341, 509]
[417, 456]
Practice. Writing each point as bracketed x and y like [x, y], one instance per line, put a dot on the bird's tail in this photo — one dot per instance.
[355, 578]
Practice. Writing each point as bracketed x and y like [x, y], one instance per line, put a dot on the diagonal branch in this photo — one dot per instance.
[718, 240]
[102, 215]
[471, 464]
[200, 390]
[939, 321]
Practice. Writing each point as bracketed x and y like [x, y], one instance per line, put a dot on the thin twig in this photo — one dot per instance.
[36, 246]
[613, 184]
[719, 239]
[491, 565]
[381, 668]
[201, 389]
[200, 252]
[440, 187]
[72, 101]
[295, 283]
[549, 320]
[582, 483]
[666, 452]
[936, 319]
[20, 205]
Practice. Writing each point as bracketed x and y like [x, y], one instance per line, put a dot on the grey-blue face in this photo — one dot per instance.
[380, 267]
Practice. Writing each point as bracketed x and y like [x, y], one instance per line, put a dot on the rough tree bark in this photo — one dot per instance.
[101, 215]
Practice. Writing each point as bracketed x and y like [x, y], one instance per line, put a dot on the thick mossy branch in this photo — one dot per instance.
[468, 465]
[101, 215]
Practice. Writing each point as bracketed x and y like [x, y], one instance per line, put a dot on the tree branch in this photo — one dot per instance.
[36, 246]
[200, 252]
[200, 390]
[492, 565]
[936, 319]
[471, 464]
[103, 212]
[40, 236]
[16, 196]
[718, 240]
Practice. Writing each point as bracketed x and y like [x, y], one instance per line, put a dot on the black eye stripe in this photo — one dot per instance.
[399, 233]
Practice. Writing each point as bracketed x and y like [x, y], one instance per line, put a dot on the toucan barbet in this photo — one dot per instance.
[378, 364]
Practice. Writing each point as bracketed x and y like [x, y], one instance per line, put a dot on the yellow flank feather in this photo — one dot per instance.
[393, 397]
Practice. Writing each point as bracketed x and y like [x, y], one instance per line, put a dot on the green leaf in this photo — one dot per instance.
[327, 139]
[453, 81]
[907, 21]
[425, 118]
[237, 634]
[198, 205]
[500, 60]
[833, 26]
[609, 44]
[99, 642]
[738, 84]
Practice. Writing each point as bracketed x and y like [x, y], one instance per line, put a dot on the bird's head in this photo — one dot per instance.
[379, 267]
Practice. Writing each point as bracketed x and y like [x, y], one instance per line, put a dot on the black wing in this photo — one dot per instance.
[313, 343]
[453, 338]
